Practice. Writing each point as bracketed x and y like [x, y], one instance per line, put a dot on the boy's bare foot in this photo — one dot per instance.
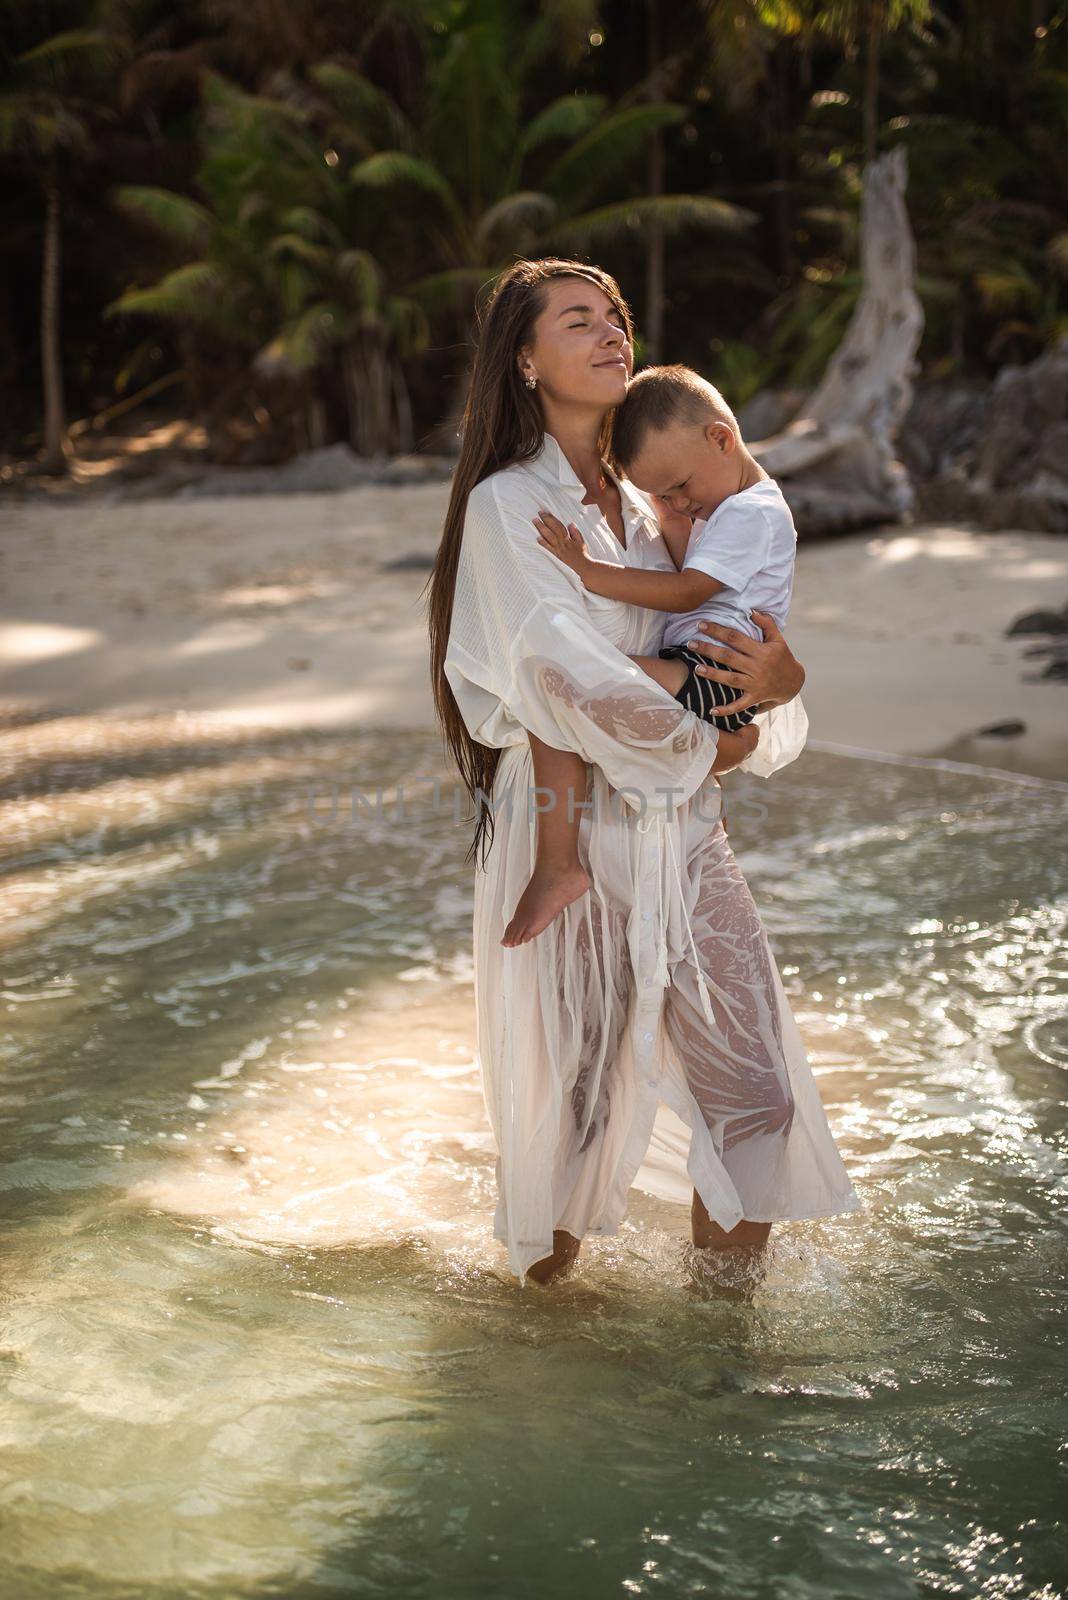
[544, 897]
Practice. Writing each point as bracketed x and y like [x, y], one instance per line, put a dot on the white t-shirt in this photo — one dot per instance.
[749, 543]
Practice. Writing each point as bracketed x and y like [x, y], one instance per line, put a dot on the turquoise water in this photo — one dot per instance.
[255, 1336]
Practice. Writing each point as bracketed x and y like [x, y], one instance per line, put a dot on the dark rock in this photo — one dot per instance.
[409, 563]
[1039, 622]
[1002, 730]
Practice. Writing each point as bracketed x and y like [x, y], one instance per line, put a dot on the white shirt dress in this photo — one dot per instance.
[643, 1037]
[749, 543]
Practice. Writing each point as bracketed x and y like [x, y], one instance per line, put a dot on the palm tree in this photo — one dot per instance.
[850, 21]
[490, 184]
[276, 269]
[55, 90]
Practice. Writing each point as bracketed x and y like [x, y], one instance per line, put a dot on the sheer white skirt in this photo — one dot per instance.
[644, 1037]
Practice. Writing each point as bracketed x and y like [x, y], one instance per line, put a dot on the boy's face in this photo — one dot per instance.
[690, 465]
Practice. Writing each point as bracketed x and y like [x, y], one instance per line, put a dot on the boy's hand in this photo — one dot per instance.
[567, 543]
[671, 521]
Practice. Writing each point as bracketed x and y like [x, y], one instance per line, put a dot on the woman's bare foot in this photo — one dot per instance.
[550, 889]
[726, 1264]
[563, 1258]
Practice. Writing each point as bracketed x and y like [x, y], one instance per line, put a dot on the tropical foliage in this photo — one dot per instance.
[279, 217]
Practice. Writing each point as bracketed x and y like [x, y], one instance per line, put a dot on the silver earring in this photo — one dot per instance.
[532, 382]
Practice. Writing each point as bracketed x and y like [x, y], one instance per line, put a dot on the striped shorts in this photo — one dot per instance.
[704, 694]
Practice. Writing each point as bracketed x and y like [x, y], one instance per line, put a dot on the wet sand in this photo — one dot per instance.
[281, 611]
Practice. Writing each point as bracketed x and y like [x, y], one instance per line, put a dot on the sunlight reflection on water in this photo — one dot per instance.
[256, 1336]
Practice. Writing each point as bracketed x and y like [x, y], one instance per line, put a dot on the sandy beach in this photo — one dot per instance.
[283, 611]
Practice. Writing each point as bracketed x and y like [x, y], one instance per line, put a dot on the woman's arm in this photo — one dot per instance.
[767, 671]
[657, 591]
[734, 748]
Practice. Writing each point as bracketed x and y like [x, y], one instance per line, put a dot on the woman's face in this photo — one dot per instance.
[580, 353]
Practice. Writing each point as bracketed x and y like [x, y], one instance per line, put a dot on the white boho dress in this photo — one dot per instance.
[643, 1037]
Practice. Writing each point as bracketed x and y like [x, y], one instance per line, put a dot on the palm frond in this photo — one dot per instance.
[570, 117]
[31, 124]
[190, 291]
[367, 111]
[75, 48]
[561, 29]
[1005, 288]
[311, 224]
[175, 215]
[606, 151]
[1057, 251]
[299, 345]
[518, 217]
[391, 169]
[359, 269]
[626, 218]
[473, 110]
[452, 290]
[407, 321]
[295, 246]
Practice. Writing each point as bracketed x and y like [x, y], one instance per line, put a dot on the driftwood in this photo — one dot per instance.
[836, 459]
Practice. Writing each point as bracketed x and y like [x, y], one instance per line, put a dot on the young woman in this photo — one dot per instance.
[657, 984]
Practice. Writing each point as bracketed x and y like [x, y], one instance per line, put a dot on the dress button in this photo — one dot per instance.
[648, 981]
[646, 915]
[648, 1036]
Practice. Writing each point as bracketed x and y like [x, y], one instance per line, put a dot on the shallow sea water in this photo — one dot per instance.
[255, 1335]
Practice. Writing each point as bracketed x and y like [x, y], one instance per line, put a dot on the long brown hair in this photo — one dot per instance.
[502, 424]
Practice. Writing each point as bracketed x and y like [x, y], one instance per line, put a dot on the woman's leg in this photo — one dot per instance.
[559, 876]
[708, 1235]
[602, 981]
[736, 1069]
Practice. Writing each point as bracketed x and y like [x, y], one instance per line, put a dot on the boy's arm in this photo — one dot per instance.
[658, 591]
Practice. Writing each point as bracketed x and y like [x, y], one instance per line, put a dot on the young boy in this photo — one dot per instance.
[730, 533]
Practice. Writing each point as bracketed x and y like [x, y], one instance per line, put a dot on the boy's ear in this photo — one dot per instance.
[720, 436]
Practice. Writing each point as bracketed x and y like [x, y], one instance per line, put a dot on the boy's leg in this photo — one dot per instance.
[559, 876]
[671, 669]
[670, 675]
[563, 773]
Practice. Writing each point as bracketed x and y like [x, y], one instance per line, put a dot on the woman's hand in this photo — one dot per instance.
[766, 671]
[567, 543]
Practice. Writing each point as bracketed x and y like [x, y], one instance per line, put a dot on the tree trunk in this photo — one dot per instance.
[871, 82]
[836, 459]
[372, 400]
[403, 403]
[315, 421]
[55, 458]
[783, 201]
[654, 246]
